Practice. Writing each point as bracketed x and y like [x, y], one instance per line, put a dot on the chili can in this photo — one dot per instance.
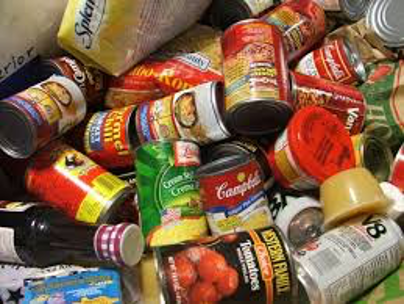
[397, 171]
[32, 118]
[257, 89]
[314, 146]
[69, 180]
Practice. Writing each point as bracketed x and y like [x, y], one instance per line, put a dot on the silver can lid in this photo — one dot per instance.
[355, 60]
[354, 9]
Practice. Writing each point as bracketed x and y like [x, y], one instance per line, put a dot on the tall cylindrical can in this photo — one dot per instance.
[397, 171]
[32, 118]
[257, 89]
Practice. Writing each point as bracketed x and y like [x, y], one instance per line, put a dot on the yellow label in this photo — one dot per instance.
[357, 142]
[230, 223]
[161, 119]
[48, 105]
[285, 166]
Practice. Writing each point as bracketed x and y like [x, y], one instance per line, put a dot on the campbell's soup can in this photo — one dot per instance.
[256, 78]
[69, 180]
[246, 267]
[314, 146]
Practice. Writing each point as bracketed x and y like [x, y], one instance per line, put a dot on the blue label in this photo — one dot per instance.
[95, 134]
[25, 105]
[144, 122]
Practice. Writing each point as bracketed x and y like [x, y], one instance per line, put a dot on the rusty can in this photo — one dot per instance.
[110, 138]
[337, 60]
[32, 118]
[345, 101]
[69, 180]
[302, 24]
[397, 170]
[257, 89]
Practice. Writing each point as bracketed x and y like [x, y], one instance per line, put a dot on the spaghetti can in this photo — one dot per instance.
[397, 170]
[345, 101]
[302, 24]
[257, 89]
[338, 60]
[32, 118]
[110, 137]
[314, 146]
[69, 180]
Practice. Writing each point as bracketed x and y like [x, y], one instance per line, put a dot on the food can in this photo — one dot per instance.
[194, 114]
[338, 60]
[110, 137]
[32, 118]
[256, 78]
[395, 210]
[169, 200]
[302, 23]
[345, 101]
[233, 196]
[374, 154]
[313, 147]
[354, 10]
[345, 261]
[254, 266]
[69, 180]
[397, 170]
[329, 5]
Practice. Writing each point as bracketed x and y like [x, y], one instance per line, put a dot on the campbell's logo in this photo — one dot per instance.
[78, 74]
[88, 21]
[336, 68]
[247, 183]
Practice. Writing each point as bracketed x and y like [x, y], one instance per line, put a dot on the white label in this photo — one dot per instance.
[307, 66]
[15, 206]
[7, 249]
[258, 6]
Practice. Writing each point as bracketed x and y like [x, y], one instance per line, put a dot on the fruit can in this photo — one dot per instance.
[194, 114]
[256, 78]
[32, 118]
[233, 196]
[169, 200]
[345, 101]
[110, 138]
[69, 180]
[302, 24]
[338, 60]
[313, 147]
[397, 170]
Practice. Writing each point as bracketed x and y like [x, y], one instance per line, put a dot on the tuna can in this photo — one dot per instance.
[257, 89]
[32, 118]
[194, 114]
[397, 171]
[345, 101]
[111, 138]
[302, 23]
[346, 261]
[233, 196]
[374, 154]
[69, 180]
[244, 267]
[168, 193]
[337, 60]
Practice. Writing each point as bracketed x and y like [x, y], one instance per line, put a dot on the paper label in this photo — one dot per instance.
[7, 249]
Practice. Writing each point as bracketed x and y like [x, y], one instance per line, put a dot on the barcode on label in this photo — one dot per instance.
[324, 261]
[108, 184]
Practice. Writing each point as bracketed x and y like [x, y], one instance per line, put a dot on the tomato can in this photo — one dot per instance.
[345, 101]
[246, 267]
[256, 78]
[397, 170]
[302, 24]
[32, 118]
[338, 60]
[314, 146]
[69, 180]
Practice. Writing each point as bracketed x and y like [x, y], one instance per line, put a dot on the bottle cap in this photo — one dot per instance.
[396, 209]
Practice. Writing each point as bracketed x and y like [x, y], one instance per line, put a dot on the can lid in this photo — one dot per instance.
[223, 165]
[355, 59]
[354, 9]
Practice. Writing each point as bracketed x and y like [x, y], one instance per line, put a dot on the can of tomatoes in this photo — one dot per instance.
[246, 267]
[69, 180]
[256, 78]
[397, 171]
[338, 60]
[314, 146]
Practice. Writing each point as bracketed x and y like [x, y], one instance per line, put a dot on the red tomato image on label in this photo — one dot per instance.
[227, 284]
[186, 271]
[195, 254]
[203, 293]
[211, 266]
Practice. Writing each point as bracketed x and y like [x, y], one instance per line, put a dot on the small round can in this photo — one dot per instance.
[69, 180]
[354, 9]
[233, 196]
[397, 170]
[257, 89]
[313, 147]
[345, 101]
[110, 137]
[302, 23]
[337, 60]
[32, 118]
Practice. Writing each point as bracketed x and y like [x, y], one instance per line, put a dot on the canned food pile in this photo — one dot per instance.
[204, 152]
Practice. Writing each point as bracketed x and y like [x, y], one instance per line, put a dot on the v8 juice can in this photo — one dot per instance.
[169, 200]
[257, 89]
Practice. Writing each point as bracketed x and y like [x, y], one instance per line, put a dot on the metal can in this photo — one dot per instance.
[397, 170]
[302, 24]
[194, 114]
[256, 78]
[169, 200]
[69, 180]
[354, 9]
[329, 5]
[313, 147]
[345, 101]
[395, 210]
[338, 60]
[32, 118]
[110, 138]
[347, 260]
[254, 266]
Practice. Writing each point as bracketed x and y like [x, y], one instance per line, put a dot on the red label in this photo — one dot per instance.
[397, 173]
